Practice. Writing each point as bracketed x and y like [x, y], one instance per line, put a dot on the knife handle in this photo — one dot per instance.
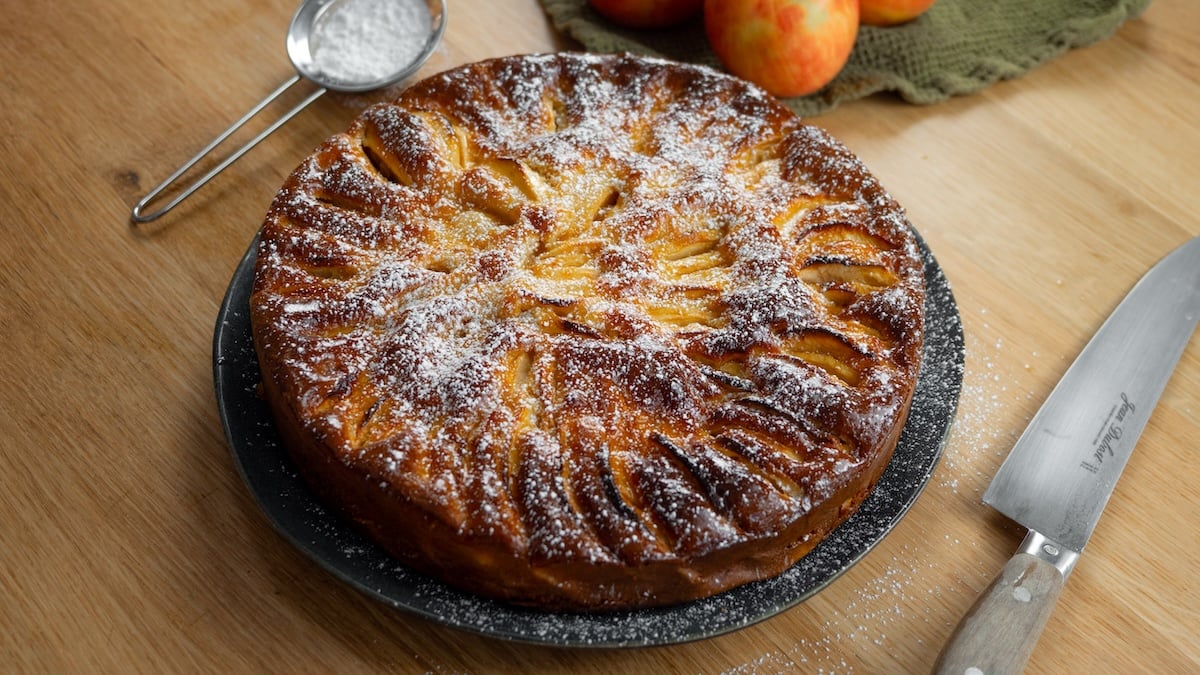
[997, 635]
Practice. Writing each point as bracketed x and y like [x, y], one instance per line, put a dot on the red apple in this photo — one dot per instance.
[647, 13]
[788, 47]
[891, 12]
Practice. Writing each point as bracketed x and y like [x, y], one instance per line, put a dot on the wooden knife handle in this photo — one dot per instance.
[998, 634]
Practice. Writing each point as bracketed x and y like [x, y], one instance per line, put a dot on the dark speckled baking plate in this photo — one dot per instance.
[339, 548]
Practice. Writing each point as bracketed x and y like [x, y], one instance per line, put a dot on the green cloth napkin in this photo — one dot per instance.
[956, 47]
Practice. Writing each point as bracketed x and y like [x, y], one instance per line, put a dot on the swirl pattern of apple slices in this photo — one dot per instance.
[588, 332]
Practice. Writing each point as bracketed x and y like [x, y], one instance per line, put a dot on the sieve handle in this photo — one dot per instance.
[138, 214]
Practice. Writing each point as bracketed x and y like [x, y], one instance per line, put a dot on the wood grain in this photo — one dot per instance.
[128, 542]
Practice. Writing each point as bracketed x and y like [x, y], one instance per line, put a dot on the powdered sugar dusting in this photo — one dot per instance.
[566, 257]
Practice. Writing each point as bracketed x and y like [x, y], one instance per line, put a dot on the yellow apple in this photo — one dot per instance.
[788, 47]
[647, 13]
[891, 12]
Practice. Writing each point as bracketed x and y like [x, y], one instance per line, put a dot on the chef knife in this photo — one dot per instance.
[1061, 471]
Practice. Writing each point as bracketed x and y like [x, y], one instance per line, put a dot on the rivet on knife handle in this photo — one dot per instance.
[998, 634]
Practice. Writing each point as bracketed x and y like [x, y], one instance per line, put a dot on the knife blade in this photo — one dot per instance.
[1062, 470]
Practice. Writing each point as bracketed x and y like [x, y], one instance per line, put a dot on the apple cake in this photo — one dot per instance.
[586, 332]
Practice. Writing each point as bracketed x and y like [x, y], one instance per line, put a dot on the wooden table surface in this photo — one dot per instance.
[128, 541]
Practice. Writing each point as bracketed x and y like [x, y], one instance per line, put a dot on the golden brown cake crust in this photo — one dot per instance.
[588, 332]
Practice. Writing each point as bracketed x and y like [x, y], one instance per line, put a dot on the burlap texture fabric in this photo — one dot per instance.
[957, 47]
